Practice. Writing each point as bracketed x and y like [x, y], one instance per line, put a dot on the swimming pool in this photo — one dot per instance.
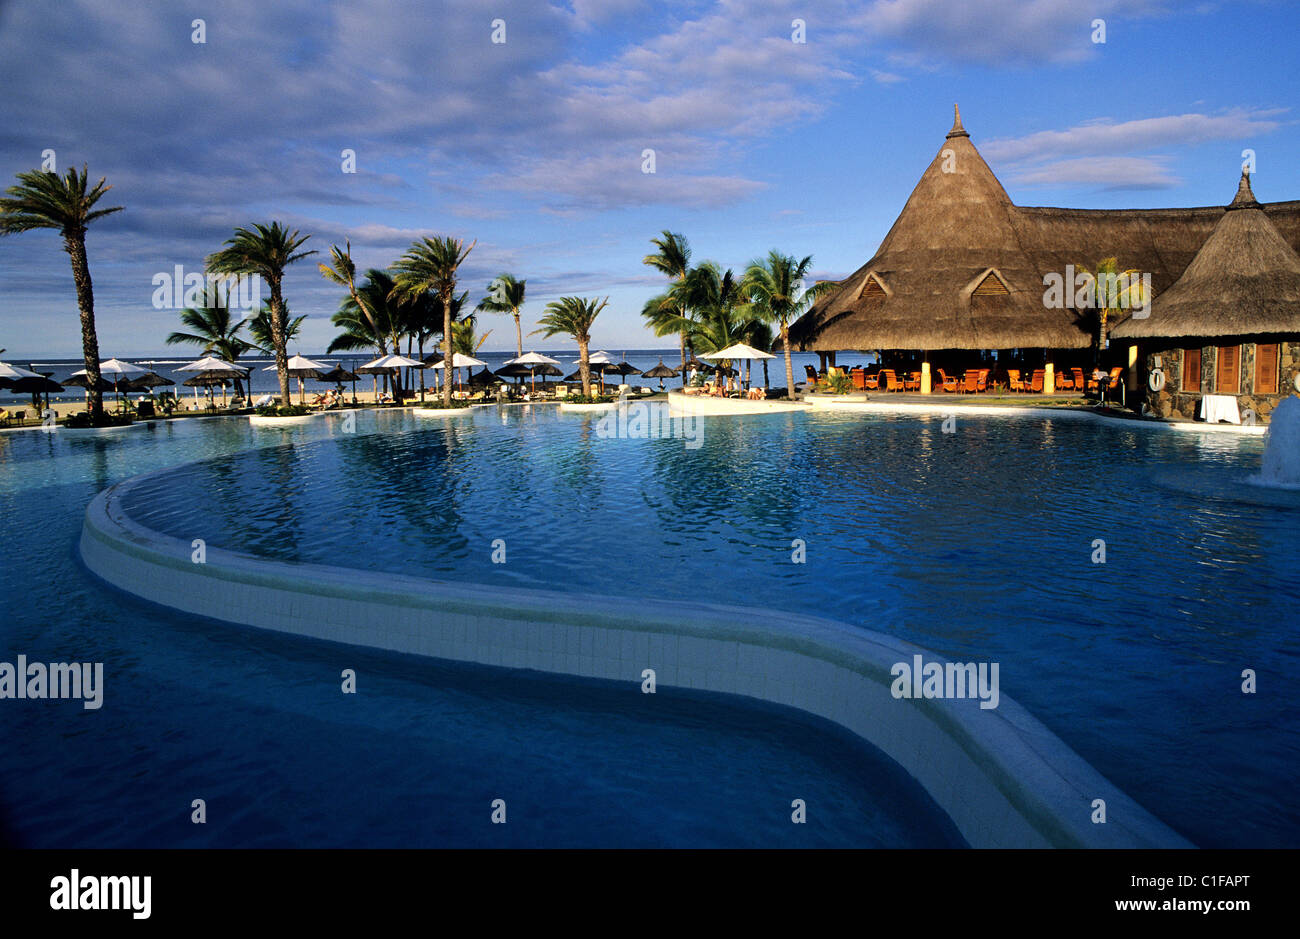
[977, 544]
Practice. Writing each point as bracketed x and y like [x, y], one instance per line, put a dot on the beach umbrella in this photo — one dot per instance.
[458, 360]
[737, 351]
[212, 366]
[10, 373]
[660, 372]
[385, 364]
[117, 370]
[483, 379]
[208, 380]
[299, 367]
[533, 360]
[146, 381]
[210, 363]
[35, 386]
[82, 381]
[600, 358]
[338, 375]
[622, 369]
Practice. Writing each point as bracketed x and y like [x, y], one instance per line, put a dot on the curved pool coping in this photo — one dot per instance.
[259, 420]
[1001, 776]
[710, 406]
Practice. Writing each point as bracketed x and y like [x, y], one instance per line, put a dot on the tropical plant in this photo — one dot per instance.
[370, 320]
[506, 295]
[265, 250]
[573, 316]
[430, 266]
[775, 287]
[1113, 291]
[673, 259]
[43, 199]
[212, 328]
[259, 328]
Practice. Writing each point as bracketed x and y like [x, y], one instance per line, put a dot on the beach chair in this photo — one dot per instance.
[859, 378]
[1013, 380]
[948, 384]
[1036, 383]
[1064, 382]
[1079, 383]
[912, 382]
[891, 381]
[971, 382]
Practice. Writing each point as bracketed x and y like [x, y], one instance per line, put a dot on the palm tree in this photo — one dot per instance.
[374, 319]
[430, 266]
[44, 200]
[506, 295]
[266, 251]
[573, 316]
[212, 329]
[1113, 290]
[775, 287]
[259, 328]
[673, 259]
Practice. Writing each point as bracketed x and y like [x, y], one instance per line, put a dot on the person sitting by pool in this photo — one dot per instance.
[757, 394]
[385, 398]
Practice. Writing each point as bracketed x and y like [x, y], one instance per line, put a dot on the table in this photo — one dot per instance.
[1216, 408]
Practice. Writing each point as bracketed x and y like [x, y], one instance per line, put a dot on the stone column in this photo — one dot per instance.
[925, 378]
[1049, 379]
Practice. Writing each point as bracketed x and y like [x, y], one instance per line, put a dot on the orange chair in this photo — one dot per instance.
[1078, 379]
[983, 379]
[948, 384]
[1013, 380]
[1064, 382]
[912, 382]
[890, 379]
[1036, 383]
[872, 382]
[971, 382]
[859, 376]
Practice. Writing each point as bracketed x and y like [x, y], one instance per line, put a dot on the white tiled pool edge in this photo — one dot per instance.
[1002, 777]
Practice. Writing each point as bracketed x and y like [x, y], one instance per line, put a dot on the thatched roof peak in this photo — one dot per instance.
[1245, 198]
[1245, 280]
[957, 129]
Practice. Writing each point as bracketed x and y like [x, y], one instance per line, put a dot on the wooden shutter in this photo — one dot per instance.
[1266, 369]
[1192, 370]
[1229, 359]
[872, 288]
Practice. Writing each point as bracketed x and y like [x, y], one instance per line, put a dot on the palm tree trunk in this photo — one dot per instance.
[519, 336]
[789, 368]
[279, 341]
[446, 348]
[682, 338]
[76, 248]
[584, 368]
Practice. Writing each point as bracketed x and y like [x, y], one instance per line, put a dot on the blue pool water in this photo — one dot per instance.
[976, 544]
[255, 723]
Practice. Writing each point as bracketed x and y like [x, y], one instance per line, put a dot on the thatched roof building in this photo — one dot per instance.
[1244, 282]
[963, 267]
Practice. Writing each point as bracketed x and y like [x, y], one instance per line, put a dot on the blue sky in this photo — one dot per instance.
[534, 146]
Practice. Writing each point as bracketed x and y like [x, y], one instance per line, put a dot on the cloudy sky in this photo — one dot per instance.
[534, 146]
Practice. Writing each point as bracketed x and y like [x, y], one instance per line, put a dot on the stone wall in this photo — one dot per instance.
[1175, 404]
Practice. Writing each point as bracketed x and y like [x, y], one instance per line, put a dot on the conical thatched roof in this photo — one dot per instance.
[963, 267]
[1244, 281]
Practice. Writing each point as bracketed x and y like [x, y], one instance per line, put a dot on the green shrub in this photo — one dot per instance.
[289, 410]
[840, 383]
